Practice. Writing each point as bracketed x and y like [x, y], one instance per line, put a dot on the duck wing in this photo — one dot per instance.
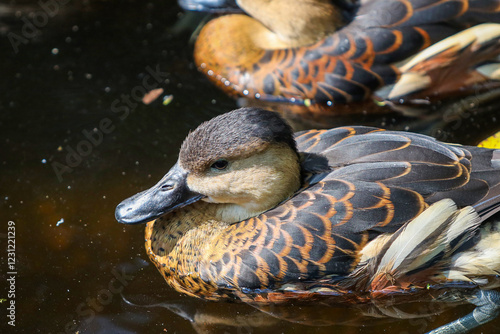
[435, 170]
[377, 181]
[361, 57]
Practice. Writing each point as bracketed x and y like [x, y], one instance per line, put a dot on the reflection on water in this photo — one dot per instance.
[75, 141]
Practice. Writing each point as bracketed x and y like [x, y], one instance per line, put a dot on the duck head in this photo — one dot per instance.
[239, 164]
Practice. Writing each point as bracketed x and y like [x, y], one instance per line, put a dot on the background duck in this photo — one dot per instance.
[323, 53]
[252, 211]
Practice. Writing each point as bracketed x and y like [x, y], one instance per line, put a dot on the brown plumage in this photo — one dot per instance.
[258, 57]
[330, 219]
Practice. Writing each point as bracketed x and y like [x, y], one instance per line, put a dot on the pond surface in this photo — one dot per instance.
[75, 140]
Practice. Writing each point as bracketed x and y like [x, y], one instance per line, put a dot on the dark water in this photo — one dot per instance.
[67, 86]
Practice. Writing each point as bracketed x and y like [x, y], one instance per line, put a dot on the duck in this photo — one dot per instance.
[255, 212]
[328, 55]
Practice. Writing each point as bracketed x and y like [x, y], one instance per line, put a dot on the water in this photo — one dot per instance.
[75, 142]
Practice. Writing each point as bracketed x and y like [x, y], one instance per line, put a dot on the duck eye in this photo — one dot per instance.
[220, 164]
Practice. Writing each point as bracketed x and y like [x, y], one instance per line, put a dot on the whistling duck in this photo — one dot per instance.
[324, 53]
[253, 211]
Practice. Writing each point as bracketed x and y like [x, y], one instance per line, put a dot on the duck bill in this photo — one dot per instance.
[167, 195]
[210, 6]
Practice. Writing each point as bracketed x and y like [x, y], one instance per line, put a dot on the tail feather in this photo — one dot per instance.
[491, 205]
[465, 222]
[431, 248]
[481, 260]
[420, 240]
[471, 53]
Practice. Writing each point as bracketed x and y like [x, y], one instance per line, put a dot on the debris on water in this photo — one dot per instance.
[60, 222]
[167, 99]
[152, 95]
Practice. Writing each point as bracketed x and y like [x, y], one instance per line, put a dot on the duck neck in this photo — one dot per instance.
[170, 231]
[177, 243]
[275, 177]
